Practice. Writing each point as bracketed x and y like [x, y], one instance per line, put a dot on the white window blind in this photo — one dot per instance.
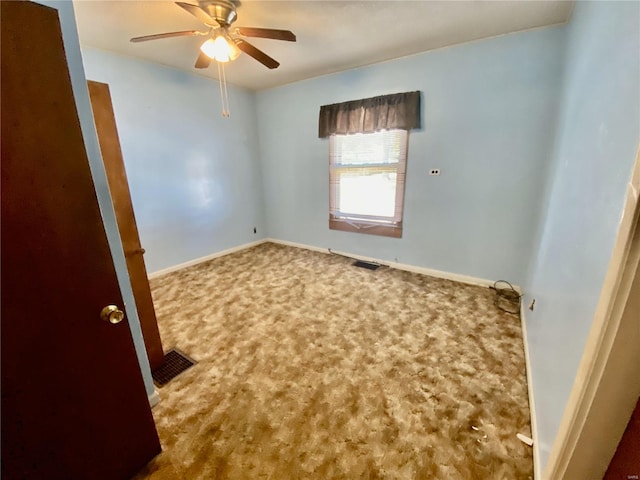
[366, 178]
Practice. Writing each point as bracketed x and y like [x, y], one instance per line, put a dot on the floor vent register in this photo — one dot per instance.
[175, 362]
[367, 265]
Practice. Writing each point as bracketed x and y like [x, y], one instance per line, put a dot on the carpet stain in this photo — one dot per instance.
[310, 368]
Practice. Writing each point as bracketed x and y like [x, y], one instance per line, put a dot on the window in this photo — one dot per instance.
[367, 161]
[366, 182]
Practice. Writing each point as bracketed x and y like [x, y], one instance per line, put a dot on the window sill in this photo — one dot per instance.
[394, 231]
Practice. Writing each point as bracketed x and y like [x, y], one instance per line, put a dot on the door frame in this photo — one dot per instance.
[114, 166]
[585, 405]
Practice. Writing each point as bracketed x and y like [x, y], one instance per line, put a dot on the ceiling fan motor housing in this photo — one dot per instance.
[222, 11]
[218, 15]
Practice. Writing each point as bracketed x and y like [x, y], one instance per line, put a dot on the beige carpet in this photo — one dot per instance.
[310, 368]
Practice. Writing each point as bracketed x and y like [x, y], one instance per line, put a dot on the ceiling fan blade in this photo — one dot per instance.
[259, 55]
[157, 36]
[203, 61]
[199, 13]
[286, 35]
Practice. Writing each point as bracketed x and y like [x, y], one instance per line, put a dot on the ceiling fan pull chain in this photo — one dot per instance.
[224, 96]
[226, 112]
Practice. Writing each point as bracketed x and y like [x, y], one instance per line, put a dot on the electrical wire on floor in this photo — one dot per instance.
[507, 298]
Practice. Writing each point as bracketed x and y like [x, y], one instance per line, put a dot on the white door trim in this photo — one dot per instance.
[566, 456]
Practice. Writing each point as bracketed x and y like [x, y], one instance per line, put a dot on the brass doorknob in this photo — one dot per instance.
[112, 314]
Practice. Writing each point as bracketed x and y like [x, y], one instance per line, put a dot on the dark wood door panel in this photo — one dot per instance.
[625, 463]
[73, 398]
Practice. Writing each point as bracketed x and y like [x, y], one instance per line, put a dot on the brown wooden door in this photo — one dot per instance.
[119, 186]
[625, 463]
[74, 404]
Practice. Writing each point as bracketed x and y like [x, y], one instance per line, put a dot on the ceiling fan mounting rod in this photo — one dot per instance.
[222, 11]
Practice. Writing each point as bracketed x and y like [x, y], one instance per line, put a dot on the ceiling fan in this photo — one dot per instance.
[222, 43]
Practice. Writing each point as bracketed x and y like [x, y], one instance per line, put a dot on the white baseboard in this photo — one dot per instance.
[196, 261]
[154, 398]
[400, 266]
[537, 473]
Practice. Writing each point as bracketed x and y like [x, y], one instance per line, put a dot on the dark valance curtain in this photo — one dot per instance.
[386, 112]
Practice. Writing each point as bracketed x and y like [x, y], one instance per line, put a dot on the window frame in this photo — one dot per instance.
[361, 223]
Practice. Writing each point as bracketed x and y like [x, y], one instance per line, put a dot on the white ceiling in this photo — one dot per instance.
[332, 36]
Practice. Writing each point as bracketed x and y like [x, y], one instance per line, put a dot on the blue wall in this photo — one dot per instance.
[489, 112]
[595, 150]
[535, 134]
[85, 114]
[194, 176]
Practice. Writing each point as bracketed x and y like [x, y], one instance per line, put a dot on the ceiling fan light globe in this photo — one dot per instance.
[207, 49]
[220, 49]
[234, 51]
